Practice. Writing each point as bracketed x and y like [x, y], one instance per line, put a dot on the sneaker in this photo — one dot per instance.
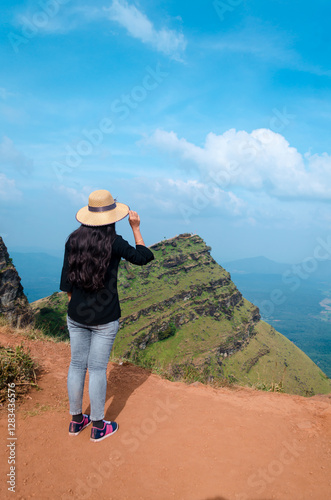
[108, 429]
[76, 427]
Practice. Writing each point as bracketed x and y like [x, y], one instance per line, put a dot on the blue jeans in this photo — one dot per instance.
[90, 349]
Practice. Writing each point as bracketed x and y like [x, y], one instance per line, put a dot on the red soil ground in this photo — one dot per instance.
[175, 441]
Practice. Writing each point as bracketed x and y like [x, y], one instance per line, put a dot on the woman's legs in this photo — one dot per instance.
[90, 348]
[80, 341]
[102, 340]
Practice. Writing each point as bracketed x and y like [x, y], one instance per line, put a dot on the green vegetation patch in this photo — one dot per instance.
[50, 315]
[16, 366]
[168, 332]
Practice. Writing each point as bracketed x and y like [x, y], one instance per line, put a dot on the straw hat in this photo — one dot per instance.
[101, 210]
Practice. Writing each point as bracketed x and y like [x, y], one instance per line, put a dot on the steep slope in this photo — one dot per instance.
[183, 316]
[13, 302]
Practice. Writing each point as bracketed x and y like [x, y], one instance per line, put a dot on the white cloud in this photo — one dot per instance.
[49, 18]
[258, 161]
[11, 157]
[75, 196]
[8, 191]
[62, 19]
[138, 25]
[184, 198]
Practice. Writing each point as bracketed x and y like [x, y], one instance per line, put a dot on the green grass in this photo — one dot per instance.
[285, 366]
[50, 316]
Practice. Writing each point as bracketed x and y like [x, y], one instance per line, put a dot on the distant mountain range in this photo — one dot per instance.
[256, 265]
[309, 268]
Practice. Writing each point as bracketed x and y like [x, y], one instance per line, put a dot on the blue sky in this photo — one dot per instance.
[205, 117]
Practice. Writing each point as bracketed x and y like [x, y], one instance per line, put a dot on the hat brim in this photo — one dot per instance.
[88, 218]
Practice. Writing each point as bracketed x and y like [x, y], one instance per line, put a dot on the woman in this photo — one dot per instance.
[89, 276]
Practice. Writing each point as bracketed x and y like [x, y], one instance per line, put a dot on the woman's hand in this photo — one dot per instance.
[134, 219]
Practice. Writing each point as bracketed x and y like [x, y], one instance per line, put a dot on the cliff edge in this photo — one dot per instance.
[175, 441]
[14, 305]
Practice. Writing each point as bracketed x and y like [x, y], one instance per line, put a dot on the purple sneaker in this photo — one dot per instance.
[75, 428]
[108, 429]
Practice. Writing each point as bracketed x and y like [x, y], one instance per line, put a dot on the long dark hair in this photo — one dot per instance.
[89, 255]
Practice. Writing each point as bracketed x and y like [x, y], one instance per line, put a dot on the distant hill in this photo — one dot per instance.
[183, 316]
[256, 265]
[311, 268]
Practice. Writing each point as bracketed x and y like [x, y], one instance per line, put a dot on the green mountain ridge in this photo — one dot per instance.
[183, 316]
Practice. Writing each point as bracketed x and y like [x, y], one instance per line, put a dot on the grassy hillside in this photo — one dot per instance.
[183, 316]
[272, 361]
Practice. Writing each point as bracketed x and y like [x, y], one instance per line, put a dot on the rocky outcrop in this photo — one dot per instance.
[14, 305]
[249, 363]
[201, 289]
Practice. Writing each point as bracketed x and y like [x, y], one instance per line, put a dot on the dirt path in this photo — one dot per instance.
[174, 441]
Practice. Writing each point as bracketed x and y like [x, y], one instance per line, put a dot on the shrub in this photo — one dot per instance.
[46, 310]
[52, 323]
[168, 332]
[16, 366]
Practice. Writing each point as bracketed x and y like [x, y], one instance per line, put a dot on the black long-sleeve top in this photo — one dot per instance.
[98, 308]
